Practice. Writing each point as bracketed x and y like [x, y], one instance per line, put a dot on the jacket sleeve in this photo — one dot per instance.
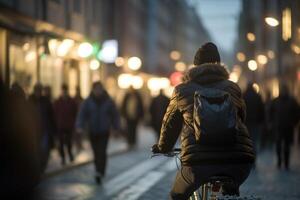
[82, 115]
[171, 125]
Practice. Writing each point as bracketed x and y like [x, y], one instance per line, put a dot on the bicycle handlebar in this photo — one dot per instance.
[172, 153]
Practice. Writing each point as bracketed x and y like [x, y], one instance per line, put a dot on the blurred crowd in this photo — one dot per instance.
[38, 124]
[35, 125]
[273, 122]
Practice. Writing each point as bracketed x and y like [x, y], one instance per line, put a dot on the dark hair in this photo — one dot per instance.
[97, 83]
[64, 86]
[207, 53]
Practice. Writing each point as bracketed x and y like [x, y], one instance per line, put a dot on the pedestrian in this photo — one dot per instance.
[219, 143]
[133, 112]
[268, 138]
[78, 137]
[286, 116]
[157, 110]
[43, 109]
[65, 114]
[100, 114]
[47, 92]
[20, 168]
[255, 114]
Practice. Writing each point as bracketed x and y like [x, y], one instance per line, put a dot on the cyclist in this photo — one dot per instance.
[206, 151]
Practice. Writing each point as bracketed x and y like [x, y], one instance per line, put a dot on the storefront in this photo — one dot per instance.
[30, 55]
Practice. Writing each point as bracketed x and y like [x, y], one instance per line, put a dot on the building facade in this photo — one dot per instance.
[274, 48]
[147, 29]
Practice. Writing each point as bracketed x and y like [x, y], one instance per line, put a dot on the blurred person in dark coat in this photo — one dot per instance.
[20, 166]
[65, 109]
[99, 114]
[157, 110]
[268, 138]
[43, 109]
[78, 137]
[47, 92]
[133, 112]
[255, 114]
[286, 116]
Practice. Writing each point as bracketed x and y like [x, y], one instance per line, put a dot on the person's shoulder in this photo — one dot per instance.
[232, 85]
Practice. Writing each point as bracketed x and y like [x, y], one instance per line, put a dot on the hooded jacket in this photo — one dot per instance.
[179, 119]
[99, 114]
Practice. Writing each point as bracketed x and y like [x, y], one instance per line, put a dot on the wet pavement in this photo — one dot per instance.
[134, 176]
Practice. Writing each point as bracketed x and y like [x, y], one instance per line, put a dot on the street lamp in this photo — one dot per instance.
[94, 64]
[180, 66]
[262, 59]
[241, 56]
[175, 55]
[85, 50]
[251, 37]
[252, 65]
[134, 63]
[271, 21]
[120, 61]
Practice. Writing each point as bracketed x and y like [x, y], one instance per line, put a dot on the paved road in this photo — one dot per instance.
[134, 176]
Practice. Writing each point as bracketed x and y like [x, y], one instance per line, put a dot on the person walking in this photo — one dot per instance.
[255, 114]
[133, 112]
[286, 115]
[206, 149]
[43, 109]
[78, 137]
[157, 110]
[100, 114]
[65, 110]
[20, 164]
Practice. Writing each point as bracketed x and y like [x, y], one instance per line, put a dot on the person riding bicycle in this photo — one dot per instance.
[207, 149]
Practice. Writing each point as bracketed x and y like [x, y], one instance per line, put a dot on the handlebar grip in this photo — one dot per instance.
[177, 149]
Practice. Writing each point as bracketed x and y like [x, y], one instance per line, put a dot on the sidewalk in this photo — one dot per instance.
[115, 146]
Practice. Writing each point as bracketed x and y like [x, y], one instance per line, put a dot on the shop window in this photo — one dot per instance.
[52, 74]
[23, 62]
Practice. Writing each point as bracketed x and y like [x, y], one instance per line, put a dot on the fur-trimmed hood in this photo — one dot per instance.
[206, 73]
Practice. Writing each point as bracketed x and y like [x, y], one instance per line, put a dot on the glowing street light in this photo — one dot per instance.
[134, 63]
[241, 56]
[255, 87]
[127, 80]
[124, 81]
[271, 21]
[137, 82]
[64, 47]
[120, 61]
[271, 54]
[262, 59]
[94, 64]
[252, 65]
[295, 48]
[175, 55]
[85, 50]
[180, 66]
[251, 37]
[109, 51]
[53, 44]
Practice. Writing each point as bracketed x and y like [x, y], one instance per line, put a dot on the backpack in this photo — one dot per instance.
[215, 117]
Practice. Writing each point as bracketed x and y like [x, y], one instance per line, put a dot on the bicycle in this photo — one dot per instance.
[213, 188]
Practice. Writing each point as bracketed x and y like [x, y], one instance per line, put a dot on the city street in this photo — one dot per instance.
[133, 175]
[90, 88]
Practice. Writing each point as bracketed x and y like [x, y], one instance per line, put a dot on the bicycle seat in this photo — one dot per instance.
[222, 179]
